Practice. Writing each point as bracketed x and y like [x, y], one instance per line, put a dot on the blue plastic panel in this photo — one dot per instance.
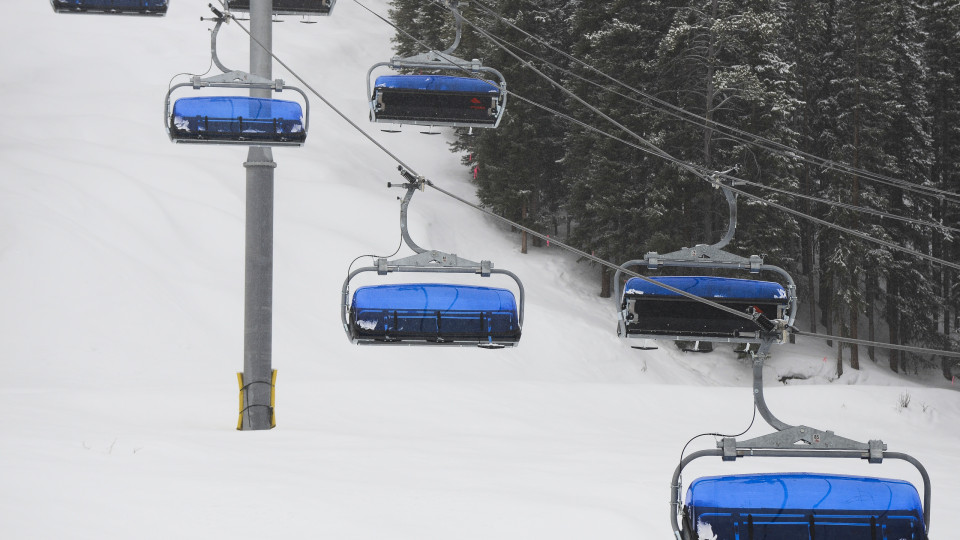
[427, 311]
[437, 83]
[800, 506]
[146, 7]
[237, 118]
[709, 287]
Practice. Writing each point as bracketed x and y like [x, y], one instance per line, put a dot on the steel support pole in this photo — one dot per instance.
[258, 276]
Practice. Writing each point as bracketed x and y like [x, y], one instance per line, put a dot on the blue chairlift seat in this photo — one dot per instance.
[436, 100]
[801, 506]
[434, 313]
[655, 311]
[111, 7]
[289, 7]
[237, 119]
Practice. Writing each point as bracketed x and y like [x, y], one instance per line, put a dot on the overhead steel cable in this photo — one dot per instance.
[588, 256]
[846, 206]
[696, 171]
[537, 234]
[603, 262]
[323, 99]
[879, 213]
[410, 170]
[704, 173]
[763, 142]
[906, 348]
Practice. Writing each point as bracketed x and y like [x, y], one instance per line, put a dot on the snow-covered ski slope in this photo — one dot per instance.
[121, 329]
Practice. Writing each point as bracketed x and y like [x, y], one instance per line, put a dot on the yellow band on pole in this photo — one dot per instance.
[240, 416]
[273, 398]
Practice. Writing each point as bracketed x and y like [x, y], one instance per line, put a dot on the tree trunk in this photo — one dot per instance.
[808, 230]
[872, 286]
[840, 357]
[826, 305]
[604, 282]
[947, 363]
[709, 97]
[523, 219]
[855, 201]
[893, 322]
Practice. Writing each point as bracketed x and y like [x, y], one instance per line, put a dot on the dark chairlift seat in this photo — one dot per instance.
[651, 310]
[237, 119]
[289, 7]
[434, 313]
[436, 100]
[802, 506]
[473, 96]
[111, 7]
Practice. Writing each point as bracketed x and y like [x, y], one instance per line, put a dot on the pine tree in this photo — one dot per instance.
[942, 25]
[805, 47]
[612, 187]
[517, 167]
[876, 102]
[725, 61]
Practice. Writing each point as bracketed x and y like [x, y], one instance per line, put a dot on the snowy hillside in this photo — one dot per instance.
[121, 330]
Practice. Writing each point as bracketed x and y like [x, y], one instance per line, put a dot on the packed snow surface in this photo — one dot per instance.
[121, 329]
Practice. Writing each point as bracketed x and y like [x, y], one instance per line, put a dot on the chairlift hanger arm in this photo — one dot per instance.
[454, 7]
[732, 204]
[412, 185]
[220, 18]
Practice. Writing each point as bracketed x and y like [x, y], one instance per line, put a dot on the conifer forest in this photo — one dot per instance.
[838, 121]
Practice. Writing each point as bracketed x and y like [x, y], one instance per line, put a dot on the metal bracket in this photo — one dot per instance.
[237, 77]
[485, 268]
[444, 260]
[813, 439]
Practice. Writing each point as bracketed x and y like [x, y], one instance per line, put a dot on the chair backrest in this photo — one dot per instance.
[802, 506]
[438, 312]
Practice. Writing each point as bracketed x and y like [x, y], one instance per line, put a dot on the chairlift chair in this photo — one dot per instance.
[431, 313]
[154, 8]
[798, 506]
[670, 307]
[237, 119]
[242, 120]
[288, 7]
[436, 100]
[475, 96]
